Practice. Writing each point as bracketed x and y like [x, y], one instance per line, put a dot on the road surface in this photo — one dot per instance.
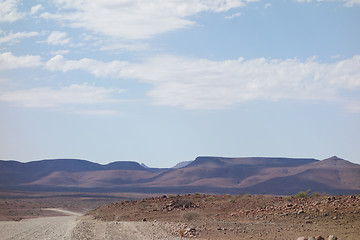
[74, 226]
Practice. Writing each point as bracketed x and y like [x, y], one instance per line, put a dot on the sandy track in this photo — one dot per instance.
[62, 211]
[39, 228]
[76, 227]
[88, 228]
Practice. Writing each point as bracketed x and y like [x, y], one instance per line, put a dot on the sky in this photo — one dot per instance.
[160, 82]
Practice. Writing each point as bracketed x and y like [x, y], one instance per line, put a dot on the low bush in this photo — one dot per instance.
[302, 194]
[316, 194]
[287, 198]
[189, 216]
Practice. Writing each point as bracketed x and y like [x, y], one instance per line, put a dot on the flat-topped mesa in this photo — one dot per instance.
[209, 161]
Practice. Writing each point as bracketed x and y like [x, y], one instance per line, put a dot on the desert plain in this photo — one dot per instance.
[189, 216]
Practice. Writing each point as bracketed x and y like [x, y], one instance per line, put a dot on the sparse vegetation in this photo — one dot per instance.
[300, 195]
[288, 198]
[303, 194]
[316, 194]
[182, 233]
[190, 216]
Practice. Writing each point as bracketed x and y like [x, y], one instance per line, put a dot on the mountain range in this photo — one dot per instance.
[256, 175]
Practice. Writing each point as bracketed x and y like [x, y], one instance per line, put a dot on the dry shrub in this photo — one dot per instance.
[182, 233]
[118, 218]
[189, 216]
[287, 198]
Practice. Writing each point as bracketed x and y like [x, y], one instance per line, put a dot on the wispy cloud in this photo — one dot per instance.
[351, 3]
[98, 112]
[347, 3]
[238, 14]
[58, 38]
[124, 46]
[15, 37]
[353, 106]
[60, 52]
[74, 94]
[9, 11]
[267, 5]
[9, 61]
[35, 9]
[135, 19]
[95, 67]
[203, 84]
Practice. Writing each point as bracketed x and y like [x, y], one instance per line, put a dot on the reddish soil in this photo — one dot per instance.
[243, 216]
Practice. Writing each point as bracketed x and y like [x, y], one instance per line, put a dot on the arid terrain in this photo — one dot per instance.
[77, 199]
[242, 216]
[194, 216]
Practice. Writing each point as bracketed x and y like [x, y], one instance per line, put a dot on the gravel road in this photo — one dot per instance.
[88, 228]
[39, 228]
[74, 227]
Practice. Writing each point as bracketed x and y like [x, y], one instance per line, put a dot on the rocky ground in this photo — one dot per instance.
[194, 216]
[241, 216]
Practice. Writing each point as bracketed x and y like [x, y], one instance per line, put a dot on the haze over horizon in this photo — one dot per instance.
[162, 82]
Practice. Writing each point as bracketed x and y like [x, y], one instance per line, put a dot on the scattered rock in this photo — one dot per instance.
[332, 237]
[315, 238]
[188, 232]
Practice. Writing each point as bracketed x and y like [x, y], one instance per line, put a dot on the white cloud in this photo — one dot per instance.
[351, 3]
[97, 68]
[267, 5]
[9, 11]
[14, 37]
[135, 19]
[348, 3]
[60, 52]
[124, 46]
[353, 106]
[96, 112]
[58, 38]
[35, 9]
[238, 14]
[73, 94]
[203, 84]
[9, 61]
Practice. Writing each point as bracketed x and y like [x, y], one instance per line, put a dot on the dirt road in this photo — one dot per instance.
[74, 227]
[59, 227]
[87, 228]
[39, 228]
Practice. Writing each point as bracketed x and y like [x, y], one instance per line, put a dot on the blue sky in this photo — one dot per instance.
[161, 82]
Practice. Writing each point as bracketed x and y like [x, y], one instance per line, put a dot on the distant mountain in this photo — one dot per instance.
[204, 174]
[182, 164]
[15, 173]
